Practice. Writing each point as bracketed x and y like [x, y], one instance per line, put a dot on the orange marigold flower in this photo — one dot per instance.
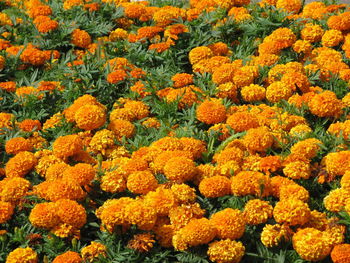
[199, 53]
[332, 38]
[306, 148]
[9, 86]
[294, 191]
[224, 73]
[230, 223]
[93, 251]
[194, 146]
[339, 22]
[68, 257]
[184, 193]
[250, 183]
[291, 211]
[118, 34]
[6, 211]
[81, 173]
[242, 121]
[196, 232]
[302, 46]
[22, 255]
[341, 253]
[337, 163]
[161, 200]
[345, 181]
[182, 79]
[181, 215]
[273, 235]
[180, 169]
[141, 182]
[20, 164]
[29, 125]
[117, 76]
[90, 117]
[253, 93]
[258, 139]
[257, 211]
[166, 15]
[59, 189]
[337, 199]
[226, 251]
[81, 38]
[141, 214]
[44, 24]
[311, 244]
[71, 213]
[278, 91]
[13, 189]
[122, 128]
[293, 6]
[44, 215]
[325, 104]
[16, 145]
[113, 182]
[66, 146]
[215, 186]
[312, 33]
[139, 109]
[185, 96]
[211, 112]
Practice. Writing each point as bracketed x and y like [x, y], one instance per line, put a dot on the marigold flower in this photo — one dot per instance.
[44, 24]
[294, 191]
[185, 96]
[253, 93]
[257, 212]
[122, 128]
[92, 251]
[180, 216]
[139, 109]
[6, 209]
[9, 86]
[194, 146]
[336, 200]
[68, 257]
[161, 200]
[228, 154]
[81, 38]
[59, 189]
[141, 182]
[250, 183]
[337, 163]
[311, 244]
[81, 173]
[325, 104]
[71, 213]
[180, 169]
[20, 164]
[66, 146]
[242, 121]
[215, 186]
[278, 91]
[22, 255]
[196, 232]
[224, 73]
[44, 215]
[312, 33]
[142, 242]
[273, 235]
[302, 46]
[29, 125]
[17, 144]
[90, 117]
[291, 211]
[226, 251]
[184, 193]
[341, 253]
[13, 189]
[118, 34]
[199, 53]
[113, 182]
[141, 214]
[332, 38]
[289, 6]
[117, 76]
[258, 139]
[211, 112]
[230, 223]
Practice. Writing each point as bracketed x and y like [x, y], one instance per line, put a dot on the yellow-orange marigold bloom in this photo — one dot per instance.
[182, 79]
[118, 34]
[117, 76]
[59, 189]
[9, 86]
[273, 235]
[196, 232]
[278, 91]
[332, 38]
[90, 117]
[93, 251]
[228, 154]
[29, 125]
[20, 164]
[81, 38]
[199, 53]
[311, 244]
[307, 148]
[302, 46]
[113, 182]
[224, 73]
[18, 144]
[325, 104]
[44, 215]
[6, 211]
[339, 22]
[253, 93]
[139, 109]
[184, 193]
[291, 211]
[122, 128]
[250, 183]
[337, 163]
[336, 200]
[258, 139]
[141, 182]
[293, 6]
[161, 200]
[66, 146]
[71, 213]
[194, 146]
[141, 214]
[211, 112]
[341, 253]
[230, 223]
[345, 181]
[81, 173]
[185, 96]
[180, 169]
[242, 121]
[215, 186]
[68, 257]
[226, 251]
[181, 215]
[45, 24]
[257, 211]
[312, 33]
[294, 191]
[297, 170]
[13, 189]
[22, 255]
